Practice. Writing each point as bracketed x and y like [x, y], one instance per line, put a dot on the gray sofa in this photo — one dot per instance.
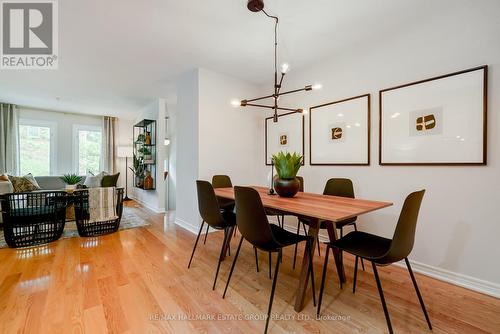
[45, 182]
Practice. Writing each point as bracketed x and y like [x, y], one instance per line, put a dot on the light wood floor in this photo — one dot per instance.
[137, 281]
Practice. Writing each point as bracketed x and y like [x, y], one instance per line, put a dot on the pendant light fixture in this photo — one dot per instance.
[258, 6]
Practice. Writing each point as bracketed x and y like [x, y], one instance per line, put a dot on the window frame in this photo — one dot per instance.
[76, 145]
[53, 142]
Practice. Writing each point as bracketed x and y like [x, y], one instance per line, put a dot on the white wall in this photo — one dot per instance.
[459, 225]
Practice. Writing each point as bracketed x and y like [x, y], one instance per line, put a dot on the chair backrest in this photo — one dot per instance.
[221, 181]
[339, 187]
[301, 181]
[404, 235]
[251, 218]
[208, 206]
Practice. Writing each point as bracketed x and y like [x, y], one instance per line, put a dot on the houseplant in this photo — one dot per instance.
[287, 166]
[138, 171]
[71, 180]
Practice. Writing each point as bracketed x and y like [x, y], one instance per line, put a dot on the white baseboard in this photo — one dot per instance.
[465, 281]
[147, 205]
[187, 226]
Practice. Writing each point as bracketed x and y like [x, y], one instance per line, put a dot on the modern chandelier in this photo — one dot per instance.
[258, 6]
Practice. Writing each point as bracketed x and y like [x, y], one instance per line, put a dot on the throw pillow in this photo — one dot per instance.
[93, 181]
[4, 177]
[24, 183]
[110, 180]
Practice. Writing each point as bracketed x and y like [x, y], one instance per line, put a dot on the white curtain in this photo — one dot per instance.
[9, 139]
[108, 142]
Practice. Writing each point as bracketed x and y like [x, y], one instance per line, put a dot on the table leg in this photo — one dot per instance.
[230, 230]
[332, 234]
[304, 272]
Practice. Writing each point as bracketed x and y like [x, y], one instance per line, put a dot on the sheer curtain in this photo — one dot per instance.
[9, 139]
[108, 142]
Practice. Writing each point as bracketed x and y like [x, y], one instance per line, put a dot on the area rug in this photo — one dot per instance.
[129, 220]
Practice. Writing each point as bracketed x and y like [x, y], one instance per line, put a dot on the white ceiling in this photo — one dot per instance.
[117, 55]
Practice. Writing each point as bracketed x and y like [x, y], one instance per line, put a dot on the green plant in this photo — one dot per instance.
[144, 151]
[287, 165]
[138, 168]
[71, 179]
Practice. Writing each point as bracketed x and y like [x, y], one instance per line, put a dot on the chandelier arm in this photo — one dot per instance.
[260, 98]
[293, 91]
[259, 105]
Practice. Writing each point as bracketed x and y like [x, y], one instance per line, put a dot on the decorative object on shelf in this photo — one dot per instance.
[258, 6]
[148, 181]
[144, 151]
[71, 180]
[438, 121]
[339, 132]
[125, 152]
[287, 167]
[287, 135]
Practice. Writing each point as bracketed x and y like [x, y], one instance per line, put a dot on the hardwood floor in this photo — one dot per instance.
[137, 281]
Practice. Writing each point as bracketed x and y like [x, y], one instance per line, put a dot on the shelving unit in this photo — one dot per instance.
[145, 153]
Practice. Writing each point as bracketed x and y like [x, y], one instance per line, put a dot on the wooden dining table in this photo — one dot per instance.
[318, 209]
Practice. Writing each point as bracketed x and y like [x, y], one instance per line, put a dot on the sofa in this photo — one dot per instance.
[45, 182]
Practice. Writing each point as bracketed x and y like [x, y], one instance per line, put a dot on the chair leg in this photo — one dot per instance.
[382, 299]
[273, 289]
[362, 262]
[420, 299]
[304, 227]
[319, 249]
[196, 243]
[340, 279]
[295, 251]
[279, 221]
[220, 257]
[233, 265]
[256, 259]
[206, 234]
[310, 249]
[270, 261]
[355, 274]
[323, 278]
[341, 232]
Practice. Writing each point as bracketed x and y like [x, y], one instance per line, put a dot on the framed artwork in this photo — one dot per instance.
[285, 135]
[438, 121]
[339, 132]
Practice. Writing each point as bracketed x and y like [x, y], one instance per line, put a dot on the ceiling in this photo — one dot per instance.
[115, 56]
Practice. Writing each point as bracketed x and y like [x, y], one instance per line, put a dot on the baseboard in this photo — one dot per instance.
[146, 205]
[465, 281]
[187, 226]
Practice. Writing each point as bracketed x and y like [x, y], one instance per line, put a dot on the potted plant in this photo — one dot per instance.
[146, 153]
[71, 180]
[287, 166]
[138, 171]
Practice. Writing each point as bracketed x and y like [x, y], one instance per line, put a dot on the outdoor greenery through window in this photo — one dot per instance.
[89, 151]
[34, 151]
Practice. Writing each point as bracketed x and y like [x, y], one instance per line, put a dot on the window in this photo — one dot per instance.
[88, 147]
[36, 147]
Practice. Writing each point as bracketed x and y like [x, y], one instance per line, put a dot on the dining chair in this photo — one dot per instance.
[255, 228]
[343, 188]
[218, 219]
[226, 204]
[382, 251]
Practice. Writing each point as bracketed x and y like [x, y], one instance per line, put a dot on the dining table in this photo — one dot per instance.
[319, 210]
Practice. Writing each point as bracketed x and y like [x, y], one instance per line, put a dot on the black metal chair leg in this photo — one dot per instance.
[323, 278]
[355, 274]
[420, 299]
[310, 250]
[317, 243]
[341, 232]
[304, 227]
[362, 262]
[272, 290]
[382, 299]
[233, 265]
[256, 259]
[196, 243]
[279, 222]
[270, 261]
[295, 251]
[206, 234]
[338, 272]
[220, 257]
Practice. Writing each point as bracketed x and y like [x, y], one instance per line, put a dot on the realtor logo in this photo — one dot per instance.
[29, 35]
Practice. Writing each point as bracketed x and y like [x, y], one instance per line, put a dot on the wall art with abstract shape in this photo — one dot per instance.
[285, 135]
[437, 121]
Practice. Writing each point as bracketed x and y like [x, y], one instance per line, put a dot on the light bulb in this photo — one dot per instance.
[166, 142]
[235, 103]
[317, 86]
[305, 111]
[285, 67]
